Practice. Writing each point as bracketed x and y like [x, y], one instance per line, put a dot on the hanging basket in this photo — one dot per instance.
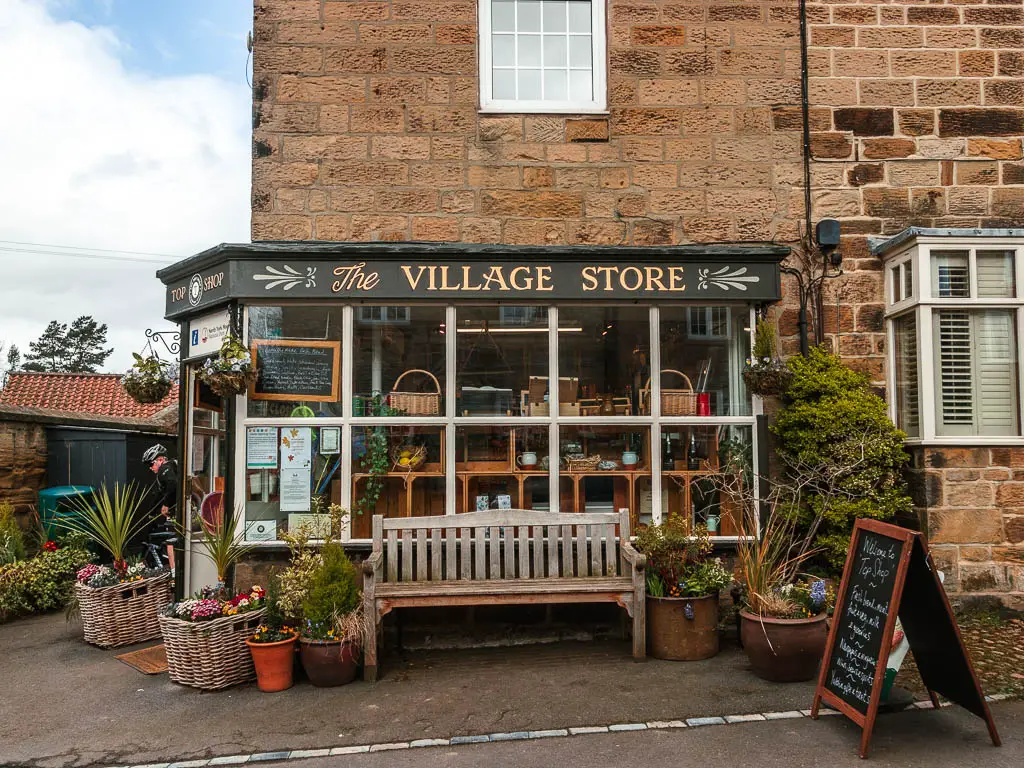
[123, 614]
[674, 402]
[229, 383]
[767, 381]
[210, 654]
[416, 403]
[146, 391]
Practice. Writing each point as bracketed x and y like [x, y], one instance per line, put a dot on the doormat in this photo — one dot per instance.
[149, 661]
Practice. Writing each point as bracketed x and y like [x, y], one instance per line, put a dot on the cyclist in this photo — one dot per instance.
[166, 471]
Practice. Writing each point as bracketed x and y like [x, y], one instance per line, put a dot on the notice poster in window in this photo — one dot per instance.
[330, 439]
[296, 447]
[261, 448]
[295, 489]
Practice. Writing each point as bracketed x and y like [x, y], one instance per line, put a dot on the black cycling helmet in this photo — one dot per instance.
[153, 453]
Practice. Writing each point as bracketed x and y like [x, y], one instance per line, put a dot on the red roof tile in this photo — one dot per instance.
[100, 393]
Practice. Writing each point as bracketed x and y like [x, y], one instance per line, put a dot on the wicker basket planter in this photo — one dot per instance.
[767, 381]
[146, 390]
[210, 654]
[124, 613]
[228, 384]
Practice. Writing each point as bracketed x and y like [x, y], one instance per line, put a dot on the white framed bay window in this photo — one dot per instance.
[543, 56]
[954, 319]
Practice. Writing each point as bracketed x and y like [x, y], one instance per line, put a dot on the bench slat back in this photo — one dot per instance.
[501, 544]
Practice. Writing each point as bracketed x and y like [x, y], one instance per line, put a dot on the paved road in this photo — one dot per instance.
[949, 738]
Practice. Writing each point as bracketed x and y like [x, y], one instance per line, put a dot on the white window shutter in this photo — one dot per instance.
[908, 416]
[955, 401]
[995, 372]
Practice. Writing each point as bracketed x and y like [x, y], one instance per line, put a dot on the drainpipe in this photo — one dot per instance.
[805, 113]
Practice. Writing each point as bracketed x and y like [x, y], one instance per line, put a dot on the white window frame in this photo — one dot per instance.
[923, 304]
[450, 421]
[599, 46]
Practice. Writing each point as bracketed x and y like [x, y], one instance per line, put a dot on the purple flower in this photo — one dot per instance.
[818, 594]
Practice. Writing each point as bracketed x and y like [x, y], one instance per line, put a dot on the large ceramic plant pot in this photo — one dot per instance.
[783, 650]
[274, 664]
[329, 663]
[673, 635]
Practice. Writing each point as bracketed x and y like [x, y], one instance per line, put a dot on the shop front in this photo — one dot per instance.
[416, 379]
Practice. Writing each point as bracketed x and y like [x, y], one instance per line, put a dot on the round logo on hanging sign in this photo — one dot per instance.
[195, 290]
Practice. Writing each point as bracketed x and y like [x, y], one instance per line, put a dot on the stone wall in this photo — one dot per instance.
[22, 463]
[971, 504]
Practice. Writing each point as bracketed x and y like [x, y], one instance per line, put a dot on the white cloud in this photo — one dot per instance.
[97, 156]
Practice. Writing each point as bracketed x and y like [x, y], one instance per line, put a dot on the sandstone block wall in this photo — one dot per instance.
[22, 463]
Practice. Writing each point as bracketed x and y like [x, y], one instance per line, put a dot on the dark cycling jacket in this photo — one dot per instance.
[167, 485]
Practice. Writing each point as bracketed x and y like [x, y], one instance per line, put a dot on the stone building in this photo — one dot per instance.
[660, 123]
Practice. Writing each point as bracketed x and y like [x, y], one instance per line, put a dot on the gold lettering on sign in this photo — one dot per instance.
[178, 294]
[610, 279]
[654, 275]
[513, 277]
[589, 277]
[634, 281]
[675, 279]
[413, 281]
[544, 279]
[495, 275]
[354, 278]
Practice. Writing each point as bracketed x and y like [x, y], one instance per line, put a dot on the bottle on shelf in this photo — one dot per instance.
[692, 459]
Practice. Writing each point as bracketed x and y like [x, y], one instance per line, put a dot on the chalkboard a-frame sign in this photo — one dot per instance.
[888, 574]
[296, 370]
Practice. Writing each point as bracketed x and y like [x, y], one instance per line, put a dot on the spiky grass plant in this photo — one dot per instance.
[110, 520]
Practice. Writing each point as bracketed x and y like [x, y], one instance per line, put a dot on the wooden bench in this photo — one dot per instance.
[502, 557]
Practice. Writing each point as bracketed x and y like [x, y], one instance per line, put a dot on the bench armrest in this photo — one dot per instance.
[638, 560]
[372, 564]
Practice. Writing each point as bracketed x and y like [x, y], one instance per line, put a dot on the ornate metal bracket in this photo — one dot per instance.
[173, 346]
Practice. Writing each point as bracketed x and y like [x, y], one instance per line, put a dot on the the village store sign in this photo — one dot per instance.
[492, 279]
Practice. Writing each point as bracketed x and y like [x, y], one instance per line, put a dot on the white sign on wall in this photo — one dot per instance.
[206, 332]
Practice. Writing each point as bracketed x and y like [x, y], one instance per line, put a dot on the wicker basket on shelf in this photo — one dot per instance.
[416, 403]
[585, 464]
[123, 614]
[210, 654]
[674, 402]
[416, 455]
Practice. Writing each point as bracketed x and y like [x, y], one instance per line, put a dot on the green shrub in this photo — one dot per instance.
[42, 583]
[333, 588]
[834, 429]
[12, 537]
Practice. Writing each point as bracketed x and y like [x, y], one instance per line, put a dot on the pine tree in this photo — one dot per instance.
[13, 358]
[49, 351]
[84, 345]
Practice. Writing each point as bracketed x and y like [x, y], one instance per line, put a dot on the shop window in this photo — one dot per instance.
[542, 55]
[604, 354]
[970, 372]
[298, 356]
[399, 361]
[292, 475]
[602, 467]
[703, 350]
[502, 356]
[207, 454]
[502, 467]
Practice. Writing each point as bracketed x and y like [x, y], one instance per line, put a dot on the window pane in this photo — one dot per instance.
[976, 373]
[555, 88]
[398, 356]
[704, 349]
[294, 323]
[504, 50]
[995, 274]
[554, 15]
[581, 85]
[502, 357]
[950, 277]
[502, 467]
[706, 475]
[504, 84]
[905, 374]
[908, 279]
[528, 19]
[600, 466]
[529, 50]
[396, 472]
[554, 51]
[292, 475]
[604, 351]
[579, 16]
[897, 294]
[579, 52]
[503, 15]
[529, 85]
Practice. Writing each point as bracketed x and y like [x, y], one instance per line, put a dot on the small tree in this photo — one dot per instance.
[48, 353]
[85, 343]
[833, 426]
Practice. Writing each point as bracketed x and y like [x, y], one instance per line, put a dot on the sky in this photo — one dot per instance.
[126, 128]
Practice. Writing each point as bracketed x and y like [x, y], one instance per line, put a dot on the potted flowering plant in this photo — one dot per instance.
[118, 602]
[683, 582]
[231, 371]
[765, 374]
[148, 380]
[205, 637]
[273, 645]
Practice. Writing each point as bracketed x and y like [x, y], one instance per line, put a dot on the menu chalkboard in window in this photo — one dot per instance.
[889, 574]
[297, 370]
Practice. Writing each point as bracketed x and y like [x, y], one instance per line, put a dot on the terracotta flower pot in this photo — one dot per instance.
[783, 650]
[672, 635]
[274, 664]
[329, 663]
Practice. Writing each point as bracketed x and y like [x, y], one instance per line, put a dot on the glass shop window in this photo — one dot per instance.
[502, 356]
[502, 467]
[298, 359]
[601, 467]
[399, 361]
[604, 353]
[703, 350]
